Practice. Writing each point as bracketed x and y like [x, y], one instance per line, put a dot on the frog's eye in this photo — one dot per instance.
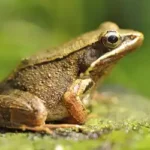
[111, 39]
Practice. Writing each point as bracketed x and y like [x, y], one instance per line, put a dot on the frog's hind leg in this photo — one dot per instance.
[22, 110]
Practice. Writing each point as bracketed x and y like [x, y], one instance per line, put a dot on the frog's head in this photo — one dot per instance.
[115, 38]
[113, 43]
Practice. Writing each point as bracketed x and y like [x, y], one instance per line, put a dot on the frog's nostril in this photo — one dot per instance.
[132, 37]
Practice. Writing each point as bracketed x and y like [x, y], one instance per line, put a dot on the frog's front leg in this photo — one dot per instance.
[22, 110]
[73, 100]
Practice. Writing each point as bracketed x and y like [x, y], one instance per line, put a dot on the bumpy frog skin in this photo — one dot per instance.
[57, 86]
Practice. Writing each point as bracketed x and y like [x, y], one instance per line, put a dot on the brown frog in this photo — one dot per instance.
[57, 86]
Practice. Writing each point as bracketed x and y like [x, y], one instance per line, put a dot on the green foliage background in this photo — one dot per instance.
[30, 25]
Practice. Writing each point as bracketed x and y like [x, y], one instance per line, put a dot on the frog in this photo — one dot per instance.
[57, 84]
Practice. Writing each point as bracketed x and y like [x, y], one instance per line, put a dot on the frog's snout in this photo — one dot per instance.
[139, 37]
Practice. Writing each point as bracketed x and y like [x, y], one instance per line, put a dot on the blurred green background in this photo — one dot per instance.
[31, 25]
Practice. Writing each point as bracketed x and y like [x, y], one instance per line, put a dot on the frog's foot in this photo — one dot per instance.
[56, 126]
[35, 129]
[49, 128]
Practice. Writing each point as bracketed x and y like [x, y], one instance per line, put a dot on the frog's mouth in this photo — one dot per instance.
[129, 44]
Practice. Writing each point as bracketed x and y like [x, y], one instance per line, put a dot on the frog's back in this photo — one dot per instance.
[72, 46]
[61, 51]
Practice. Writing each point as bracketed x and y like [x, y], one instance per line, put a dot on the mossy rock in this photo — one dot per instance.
[122, 123]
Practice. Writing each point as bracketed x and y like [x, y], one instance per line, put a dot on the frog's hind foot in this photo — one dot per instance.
[36, 129]
[56, 126]
[49, 128]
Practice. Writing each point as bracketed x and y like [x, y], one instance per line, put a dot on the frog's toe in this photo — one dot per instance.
[36, 129]
[59, 126]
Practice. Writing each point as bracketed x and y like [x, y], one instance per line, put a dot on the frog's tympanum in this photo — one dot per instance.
[57, 85]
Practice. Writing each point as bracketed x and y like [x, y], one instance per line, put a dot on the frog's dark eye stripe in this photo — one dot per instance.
[111, 39]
